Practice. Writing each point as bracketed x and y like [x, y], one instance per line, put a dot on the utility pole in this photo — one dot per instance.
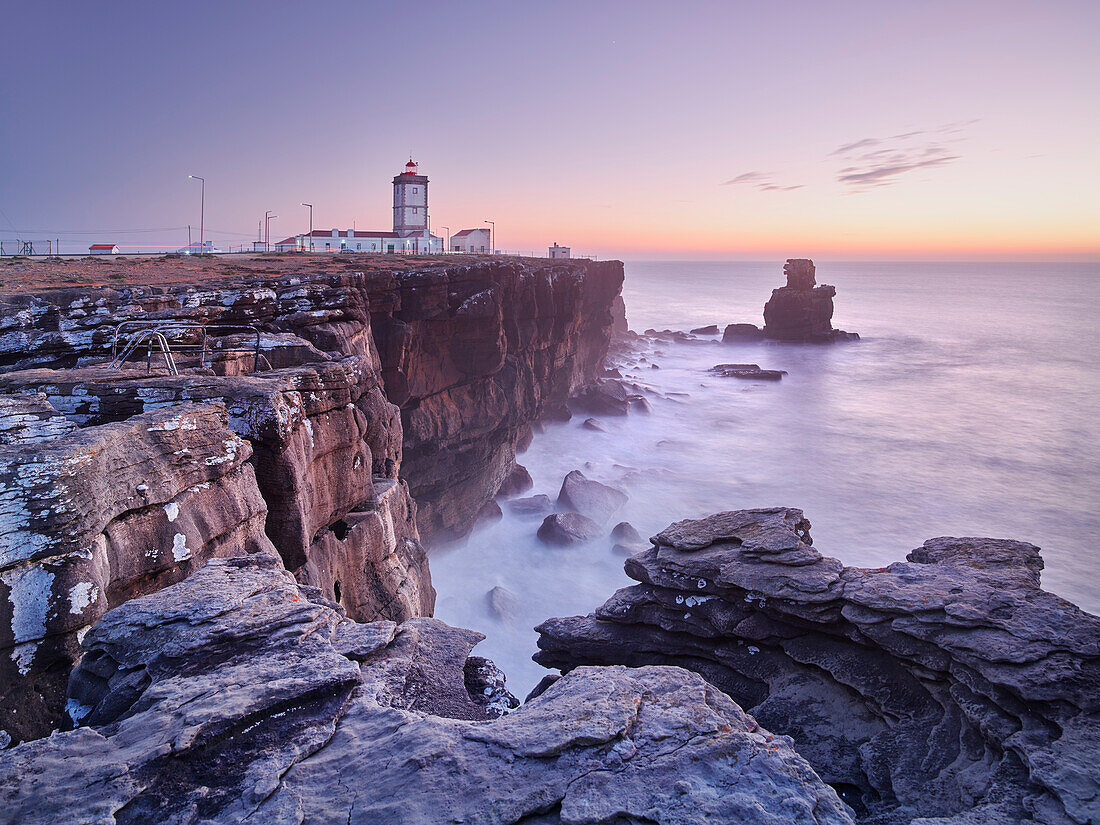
[310, 205]
[492, 236]
[202, 212]
[267, 230]
[447, 243]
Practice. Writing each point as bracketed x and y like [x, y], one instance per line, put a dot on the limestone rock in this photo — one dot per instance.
[99, 515]
[565, 529]
[223, 698]
[590, 498]
[948, 688]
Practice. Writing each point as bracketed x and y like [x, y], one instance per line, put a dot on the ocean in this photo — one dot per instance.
[969, 408]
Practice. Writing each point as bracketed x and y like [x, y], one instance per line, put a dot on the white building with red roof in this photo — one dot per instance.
[471, 240]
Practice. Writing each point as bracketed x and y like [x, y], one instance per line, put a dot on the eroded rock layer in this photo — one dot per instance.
[239, 694]
[949, 687]
[317, 459]
[470, 353]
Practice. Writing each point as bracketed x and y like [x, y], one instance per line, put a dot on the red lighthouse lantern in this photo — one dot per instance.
[410, 167]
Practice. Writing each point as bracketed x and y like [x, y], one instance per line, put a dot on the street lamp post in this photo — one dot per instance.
[267, 231]
[447, 243]
[492, 236]
[310, 205]
[202, 209]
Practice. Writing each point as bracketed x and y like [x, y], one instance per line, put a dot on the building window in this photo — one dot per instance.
[372, 247]
[359, 246]
[328, 246]
[414, 190]
[414, 210]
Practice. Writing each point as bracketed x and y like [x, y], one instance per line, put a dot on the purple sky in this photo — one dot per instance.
[630, 129]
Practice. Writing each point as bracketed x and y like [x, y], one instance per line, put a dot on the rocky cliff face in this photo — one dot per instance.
[239, 694]
[949, 686]
[307, 455]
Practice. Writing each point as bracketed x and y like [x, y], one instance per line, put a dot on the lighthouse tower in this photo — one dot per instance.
[410, 203]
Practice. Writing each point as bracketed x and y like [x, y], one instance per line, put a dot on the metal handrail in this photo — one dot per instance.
[147, 336]
[169, 326]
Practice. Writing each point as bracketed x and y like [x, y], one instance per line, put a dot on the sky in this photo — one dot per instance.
[706, 130]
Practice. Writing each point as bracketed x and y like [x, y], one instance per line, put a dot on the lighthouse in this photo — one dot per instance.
[410, 203]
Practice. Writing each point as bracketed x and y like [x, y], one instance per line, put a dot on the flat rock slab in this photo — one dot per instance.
[246, 711]
[751, 371]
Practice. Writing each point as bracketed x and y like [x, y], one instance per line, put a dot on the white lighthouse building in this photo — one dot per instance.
[410, 202]
[410, 234]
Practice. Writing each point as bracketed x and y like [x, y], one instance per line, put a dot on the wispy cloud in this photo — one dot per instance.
[875, 161]
[764, 181]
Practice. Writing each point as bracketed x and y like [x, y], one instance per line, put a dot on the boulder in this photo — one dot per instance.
[608, 397]
[518, 481]
[226, 698]
[707, 330]
[538, 505]
[594, 424]
[741, 332]
[590, 498]
[949, 688]
[565, 529]
[502, 603]
[624, 532]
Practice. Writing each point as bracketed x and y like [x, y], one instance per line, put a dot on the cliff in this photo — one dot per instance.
[376, 391]
[948, 686]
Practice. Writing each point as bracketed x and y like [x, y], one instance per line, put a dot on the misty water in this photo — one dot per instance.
[967, 409]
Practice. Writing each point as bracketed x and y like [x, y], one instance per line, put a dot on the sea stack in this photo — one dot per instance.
[801, 310]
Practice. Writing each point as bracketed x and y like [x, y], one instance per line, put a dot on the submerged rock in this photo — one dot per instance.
[949, 686]
[707, 330]
[538, 505]
[590, 498]
[225, 699]
[565, 529]
[594, 424]
[751, 371]
[502, 603]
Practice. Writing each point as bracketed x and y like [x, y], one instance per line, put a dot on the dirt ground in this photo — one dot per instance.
[20, 275]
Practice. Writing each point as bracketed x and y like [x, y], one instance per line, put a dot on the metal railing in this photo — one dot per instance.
[158, 332]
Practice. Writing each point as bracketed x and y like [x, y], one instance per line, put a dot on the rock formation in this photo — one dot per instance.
[368, 382]
[947, 689]
[799, 311]
[239, 694]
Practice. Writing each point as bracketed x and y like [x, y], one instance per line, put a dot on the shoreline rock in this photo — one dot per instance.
[240, 694]
[949, 686]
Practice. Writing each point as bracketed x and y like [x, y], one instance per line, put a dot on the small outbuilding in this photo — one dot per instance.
[558, 251]
[103, 249]
[471, 240]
